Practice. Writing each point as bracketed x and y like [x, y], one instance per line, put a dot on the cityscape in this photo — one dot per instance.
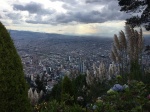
[52, 56]
[58, 55]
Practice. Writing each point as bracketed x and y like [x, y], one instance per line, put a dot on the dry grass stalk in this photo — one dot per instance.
[118, 59]
[116, 42]
[123, 41]
[102, 69]
[140, 41]
[130, 37]
[127, 49]
[115, 51]
[112, 55]
[136, 52]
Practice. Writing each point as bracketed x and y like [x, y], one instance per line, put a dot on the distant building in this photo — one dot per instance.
[69, 58]
[81, 66]
[44, 69]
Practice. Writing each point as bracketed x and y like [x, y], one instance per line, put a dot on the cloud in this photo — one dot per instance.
[91, 16]
[40, 21]
[99, 1]
[65, 16]
[70, 17]
[83, 13]
[66, 1]
[92, 13]
[76, 12]
[14, 16]
[33, 8]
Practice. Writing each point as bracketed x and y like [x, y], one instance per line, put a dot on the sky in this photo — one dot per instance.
[70, 17]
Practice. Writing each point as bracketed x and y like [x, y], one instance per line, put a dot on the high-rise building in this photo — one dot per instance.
[69, 58]
[81, 66]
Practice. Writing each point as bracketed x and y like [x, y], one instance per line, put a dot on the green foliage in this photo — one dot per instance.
[13, 88]
[98, 89]
[55, 106]
[136, 6]
[79, 82]
[135, 71]
[132, 100]
[74, 108]
[40, 84]
[146, 78]
[104, 107]
[52, 106]
[76, 89]
[55, 94]
[67, 88]
[67, 99]
[79, 86]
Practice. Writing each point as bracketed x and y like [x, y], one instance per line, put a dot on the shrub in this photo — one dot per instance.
[133, 99]
[54, 106]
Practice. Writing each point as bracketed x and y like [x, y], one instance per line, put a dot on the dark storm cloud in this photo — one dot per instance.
[86, 17]
[112, 12]
[86, 14]
[99, 1]
[33, 7]
[81, 17]
[89, 17]
[83, 12]
[37, 22]
[66, 1]
[14, 16]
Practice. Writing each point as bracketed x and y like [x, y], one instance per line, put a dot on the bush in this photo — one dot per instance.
[133, 99]
[54, 106]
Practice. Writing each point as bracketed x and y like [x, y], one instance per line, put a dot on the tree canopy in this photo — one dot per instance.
[13, 88]
[141, 7]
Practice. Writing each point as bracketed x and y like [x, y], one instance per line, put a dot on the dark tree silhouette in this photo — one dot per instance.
[67, 91]
[142, 7]
[13, 88]
[67, 86]
[40, 84]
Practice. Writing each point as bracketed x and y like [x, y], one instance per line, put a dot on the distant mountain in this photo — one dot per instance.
[50, 42]
[27, 34]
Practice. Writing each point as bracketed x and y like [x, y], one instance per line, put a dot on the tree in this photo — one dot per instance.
[67, 90]
[40, 84]
[55, 94]
[13, 87]
[78, 84]
[67, 87]
[142, 7]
